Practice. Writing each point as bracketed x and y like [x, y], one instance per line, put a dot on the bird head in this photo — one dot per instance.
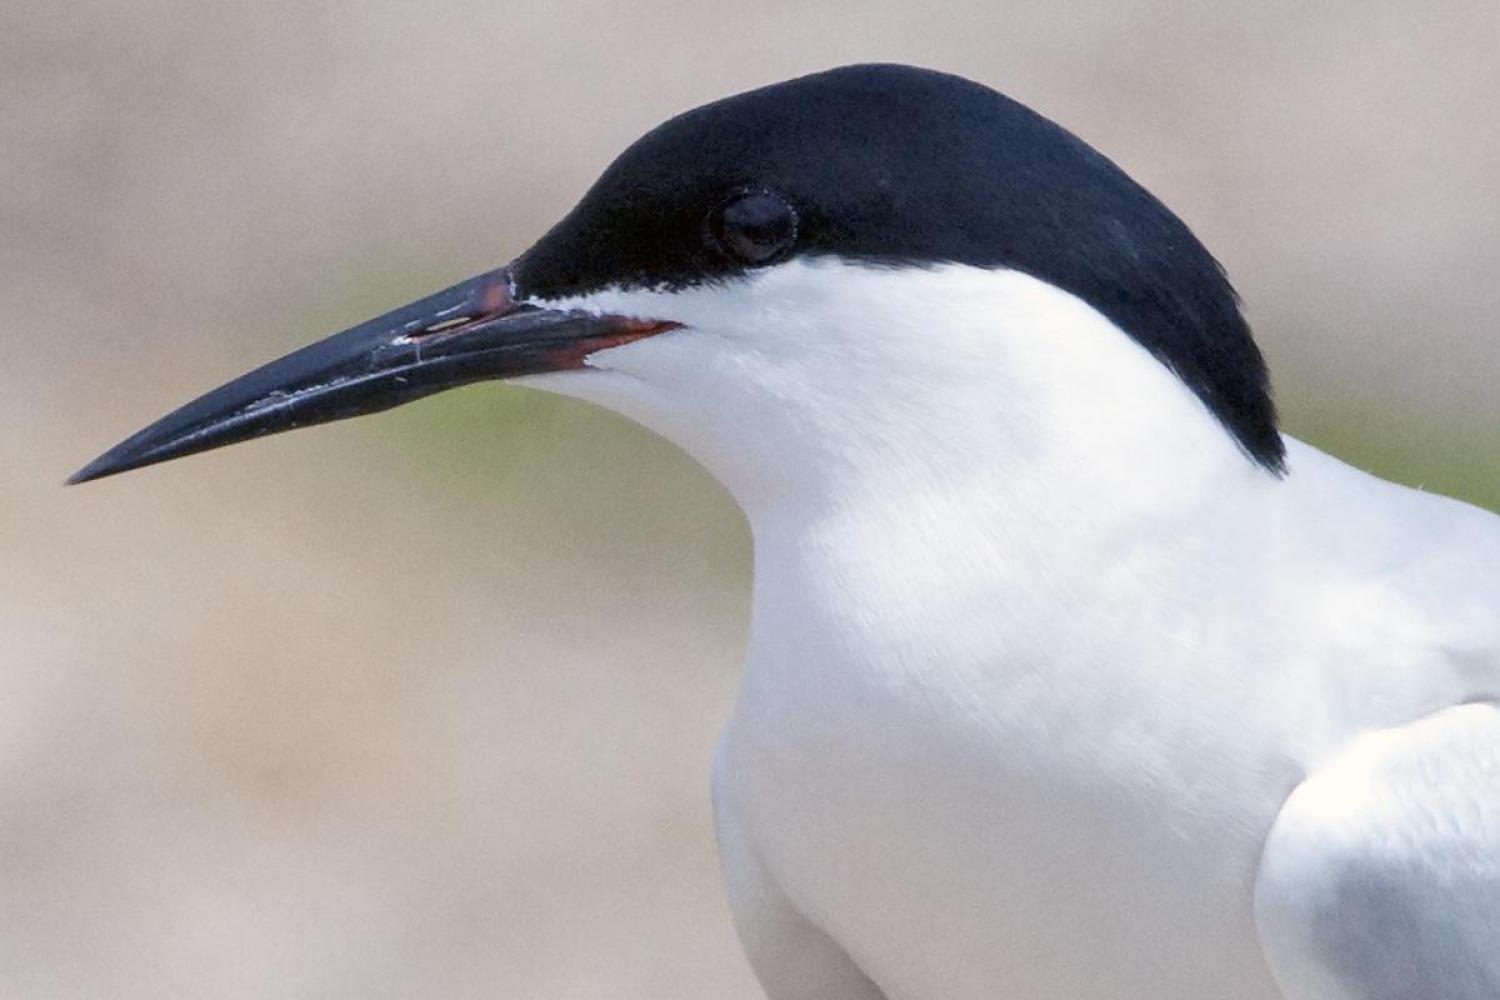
[852, 268]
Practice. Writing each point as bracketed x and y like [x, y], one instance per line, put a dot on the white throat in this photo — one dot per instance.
[822, 386]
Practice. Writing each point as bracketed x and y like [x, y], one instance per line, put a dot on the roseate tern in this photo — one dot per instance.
[1069, 676]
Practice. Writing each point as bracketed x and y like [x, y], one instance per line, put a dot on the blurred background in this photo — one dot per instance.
[423, 705]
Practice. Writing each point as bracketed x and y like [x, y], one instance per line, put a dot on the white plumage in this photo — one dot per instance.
[1051, 692]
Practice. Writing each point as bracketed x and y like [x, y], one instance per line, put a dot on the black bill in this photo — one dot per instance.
[473, 331]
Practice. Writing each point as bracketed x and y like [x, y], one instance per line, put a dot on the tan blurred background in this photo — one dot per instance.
[422, 705]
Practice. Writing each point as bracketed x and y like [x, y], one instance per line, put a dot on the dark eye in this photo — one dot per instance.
[753, 226]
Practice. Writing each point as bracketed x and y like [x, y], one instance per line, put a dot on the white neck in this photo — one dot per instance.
[816, 389]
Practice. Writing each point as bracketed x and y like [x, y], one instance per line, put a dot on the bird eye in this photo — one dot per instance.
[753, 226]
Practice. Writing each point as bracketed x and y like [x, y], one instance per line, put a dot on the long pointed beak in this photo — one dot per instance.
[474, 331]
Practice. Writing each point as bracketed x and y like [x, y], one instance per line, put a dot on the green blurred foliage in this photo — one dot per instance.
[1421, 450]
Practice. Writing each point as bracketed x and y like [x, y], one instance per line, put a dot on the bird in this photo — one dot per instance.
[1069, 674]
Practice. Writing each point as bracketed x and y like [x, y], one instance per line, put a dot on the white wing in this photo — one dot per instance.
[1381, 877]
